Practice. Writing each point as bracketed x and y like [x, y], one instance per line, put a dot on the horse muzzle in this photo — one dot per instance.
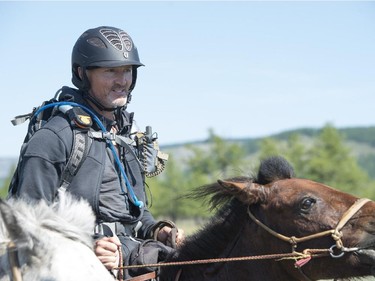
[367, 257]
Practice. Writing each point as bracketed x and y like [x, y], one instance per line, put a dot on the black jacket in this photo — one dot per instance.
[44, 158]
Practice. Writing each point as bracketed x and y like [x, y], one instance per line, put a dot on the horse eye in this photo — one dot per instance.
[307, 203]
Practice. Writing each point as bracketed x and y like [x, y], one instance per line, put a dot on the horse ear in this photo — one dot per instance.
[12, 223]
[247, 192]
[234, 184]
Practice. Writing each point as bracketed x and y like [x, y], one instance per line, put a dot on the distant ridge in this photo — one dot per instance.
[361, 140]
[358, 134]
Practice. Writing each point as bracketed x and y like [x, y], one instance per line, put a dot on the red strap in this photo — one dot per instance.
[302, 262]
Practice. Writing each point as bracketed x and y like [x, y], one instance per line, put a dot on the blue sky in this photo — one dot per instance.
[243, 69]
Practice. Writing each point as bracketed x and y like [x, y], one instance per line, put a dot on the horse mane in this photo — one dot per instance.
[271, 169]
[274, 168]
[214, 236]
[214, 195]
[70, 217]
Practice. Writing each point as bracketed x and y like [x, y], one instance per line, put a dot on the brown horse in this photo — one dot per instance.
[288, 228]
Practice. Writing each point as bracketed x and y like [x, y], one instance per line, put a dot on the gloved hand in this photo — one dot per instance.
[148, 252]
[172, 237]
[167, 232]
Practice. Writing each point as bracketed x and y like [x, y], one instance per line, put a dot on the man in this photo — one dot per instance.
[112, 175]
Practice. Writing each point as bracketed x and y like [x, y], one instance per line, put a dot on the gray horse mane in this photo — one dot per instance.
[52, 241]
[70, 217]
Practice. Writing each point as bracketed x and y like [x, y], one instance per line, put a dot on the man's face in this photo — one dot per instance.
[110, 85]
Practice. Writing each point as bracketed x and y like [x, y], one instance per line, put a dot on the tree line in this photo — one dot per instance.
[325, 159]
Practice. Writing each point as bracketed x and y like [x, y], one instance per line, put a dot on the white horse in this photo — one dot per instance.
[40, 242]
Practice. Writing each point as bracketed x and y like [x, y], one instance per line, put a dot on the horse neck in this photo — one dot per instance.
[229, 234]
[217, 239]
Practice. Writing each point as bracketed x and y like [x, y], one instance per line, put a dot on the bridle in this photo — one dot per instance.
[12, 253]
[335, 233]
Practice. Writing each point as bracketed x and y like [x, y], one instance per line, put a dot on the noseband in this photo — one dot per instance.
[335, 233]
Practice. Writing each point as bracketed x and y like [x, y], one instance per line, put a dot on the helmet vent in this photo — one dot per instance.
[120, 40]
[96, 42]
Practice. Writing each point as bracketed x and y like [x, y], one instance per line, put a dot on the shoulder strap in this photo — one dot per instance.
[80, 149]
[81, 123]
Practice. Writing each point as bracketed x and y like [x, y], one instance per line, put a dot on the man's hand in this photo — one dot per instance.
[165, 235]
[107, 251]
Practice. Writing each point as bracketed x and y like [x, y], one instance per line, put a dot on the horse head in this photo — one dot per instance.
[333, 231]
[43, 242]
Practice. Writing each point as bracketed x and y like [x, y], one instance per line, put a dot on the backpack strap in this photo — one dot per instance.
[80, 149]
[81, 123]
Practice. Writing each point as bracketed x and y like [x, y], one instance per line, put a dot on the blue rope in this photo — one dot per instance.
[138, 203]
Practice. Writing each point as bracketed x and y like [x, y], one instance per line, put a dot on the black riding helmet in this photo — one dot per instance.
[103, 46]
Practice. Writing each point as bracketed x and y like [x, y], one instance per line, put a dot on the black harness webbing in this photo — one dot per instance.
[80, 149]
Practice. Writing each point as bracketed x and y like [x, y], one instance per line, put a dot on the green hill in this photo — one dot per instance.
[360, 140]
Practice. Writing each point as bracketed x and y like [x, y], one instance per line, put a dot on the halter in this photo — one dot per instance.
[335, 233]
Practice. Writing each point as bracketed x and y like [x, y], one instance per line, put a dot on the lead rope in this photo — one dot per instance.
[120, 274]
[297, 256]
[278, 257]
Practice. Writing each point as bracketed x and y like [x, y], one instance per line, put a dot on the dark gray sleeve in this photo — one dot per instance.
[148, 222]
[42, 164]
